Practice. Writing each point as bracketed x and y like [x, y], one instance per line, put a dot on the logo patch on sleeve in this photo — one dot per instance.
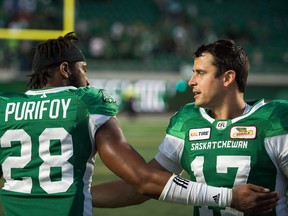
[243, 132]
[199, 134]
[106, 97]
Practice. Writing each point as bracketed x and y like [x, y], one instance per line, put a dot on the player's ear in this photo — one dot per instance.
[64, 70]
[229, 77]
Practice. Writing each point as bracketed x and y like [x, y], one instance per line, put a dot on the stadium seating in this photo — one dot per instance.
[161, 35]
[261, 27]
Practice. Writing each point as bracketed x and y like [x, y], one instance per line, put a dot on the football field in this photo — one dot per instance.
[144, 133]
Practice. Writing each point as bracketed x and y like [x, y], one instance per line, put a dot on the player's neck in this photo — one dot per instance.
[228, 109]
[55, 85]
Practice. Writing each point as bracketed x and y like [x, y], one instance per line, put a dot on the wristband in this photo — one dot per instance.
[183, 191]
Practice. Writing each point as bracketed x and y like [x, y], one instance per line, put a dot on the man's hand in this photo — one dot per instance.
[253, 199]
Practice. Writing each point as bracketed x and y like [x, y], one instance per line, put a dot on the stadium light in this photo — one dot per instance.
[39, 34]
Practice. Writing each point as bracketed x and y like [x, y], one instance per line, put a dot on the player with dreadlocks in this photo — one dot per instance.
[49, 137]
[45, 64]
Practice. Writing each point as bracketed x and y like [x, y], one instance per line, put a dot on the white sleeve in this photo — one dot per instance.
[95, 121]
[169, 154]
[277, 149]
[183, 191]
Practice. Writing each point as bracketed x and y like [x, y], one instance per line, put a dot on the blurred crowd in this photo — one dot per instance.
[178, 29]
[26, 14]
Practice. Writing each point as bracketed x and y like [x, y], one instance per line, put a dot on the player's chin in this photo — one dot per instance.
[197, 101]
[200, 103]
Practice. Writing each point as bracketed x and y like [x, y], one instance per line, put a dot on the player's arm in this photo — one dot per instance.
[124, 161]
[116, 194]
[119, 193]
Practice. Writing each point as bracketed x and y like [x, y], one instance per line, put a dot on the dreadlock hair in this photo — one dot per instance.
[43, 67]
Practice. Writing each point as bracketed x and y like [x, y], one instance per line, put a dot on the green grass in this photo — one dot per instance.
[144, 133]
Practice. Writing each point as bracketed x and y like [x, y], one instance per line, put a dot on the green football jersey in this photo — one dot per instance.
[252, 148]
[47, 149]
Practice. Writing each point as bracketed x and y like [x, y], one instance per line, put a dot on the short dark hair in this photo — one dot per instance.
[48, 55]
[228, 56]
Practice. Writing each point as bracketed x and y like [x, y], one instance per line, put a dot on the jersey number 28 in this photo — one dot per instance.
[49, 161]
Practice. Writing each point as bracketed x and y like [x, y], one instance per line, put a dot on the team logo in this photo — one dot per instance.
[199, 134]
[221, 125]
[243, 132]
[216, 198]
[106, 97]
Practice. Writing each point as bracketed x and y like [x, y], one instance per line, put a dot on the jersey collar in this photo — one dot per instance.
[48, 90]
[255, 107]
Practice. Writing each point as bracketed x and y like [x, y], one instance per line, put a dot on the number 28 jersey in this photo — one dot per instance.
[252, 148]
[47, 149]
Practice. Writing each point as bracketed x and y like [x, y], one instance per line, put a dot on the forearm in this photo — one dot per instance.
[246, 198]
[179, 190]
[115, 194]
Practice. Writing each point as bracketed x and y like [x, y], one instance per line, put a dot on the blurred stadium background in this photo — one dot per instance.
[142, 49]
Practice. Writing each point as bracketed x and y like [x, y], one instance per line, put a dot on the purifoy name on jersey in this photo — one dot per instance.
[33, 110]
